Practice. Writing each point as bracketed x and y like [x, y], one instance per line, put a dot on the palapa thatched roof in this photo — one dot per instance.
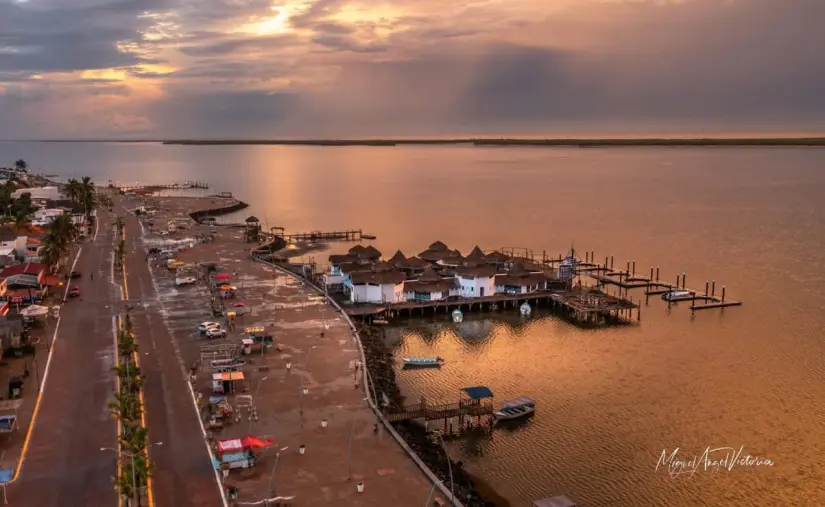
[377, 277]
[356, 250]
[337, 259]
[477, 271]
[383, 266]
[413, 263]
[252, 219]
[430, 281]
[518, 275]
[370, 252]
[476, 253]
[437, 246]
[496, 257]
[398, 257]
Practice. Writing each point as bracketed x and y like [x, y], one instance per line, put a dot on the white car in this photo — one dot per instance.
[186, 280]
[206, 326]
[215, 332]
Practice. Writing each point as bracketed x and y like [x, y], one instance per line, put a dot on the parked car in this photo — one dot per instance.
[206, 326]
[215, 332]
[74, 274]
[186, 280]
[74, 292]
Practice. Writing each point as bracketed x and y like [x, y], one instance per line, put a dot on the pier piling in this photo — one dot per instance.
[713, 288]
[657, 273]
[634, 268]
[723, 293]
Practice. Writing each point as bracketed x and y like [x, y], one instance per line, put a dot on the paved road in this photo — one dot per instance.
[184, 476]
[64, 466]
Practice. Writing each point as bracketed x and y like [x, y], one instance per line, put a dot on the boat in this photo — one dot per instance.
[368, 236]
[525, 309]
[458, 317]
[515, 409]
[675, 295]
[423, 362]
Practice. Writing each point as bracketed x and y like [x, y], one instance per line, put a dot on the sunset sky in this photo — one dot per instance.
[344, 68]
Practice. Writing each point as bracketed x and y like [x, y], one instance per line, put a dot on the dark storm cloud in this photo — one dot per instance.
[233, 45]
[49, 36]
[232, 114]
[699, 59]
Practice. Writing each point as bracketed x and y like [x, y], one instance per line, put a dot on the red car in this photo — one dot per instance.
[74, 292]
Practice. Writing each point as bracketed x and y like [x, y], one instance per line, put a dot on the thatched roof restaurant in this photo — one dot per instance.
[518, 276]
[377, 277]
[430, 281]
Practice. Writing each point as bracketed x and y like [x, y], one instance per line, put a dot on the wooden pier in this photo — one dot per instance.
[346, 235]
[188, 185]
[438, 412]
[473, 402]
[580, 304]
[627, 279]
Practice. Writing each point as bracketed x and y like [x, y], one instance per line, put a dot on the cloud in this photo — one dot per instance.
[347, 67]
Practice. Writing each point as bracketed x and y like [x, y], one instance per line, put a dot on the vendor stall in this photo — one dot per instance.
[225, 383]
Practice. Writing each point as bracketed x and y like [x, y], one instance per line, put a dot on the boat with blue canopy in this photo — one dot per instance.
[515, 409]
[423, 362]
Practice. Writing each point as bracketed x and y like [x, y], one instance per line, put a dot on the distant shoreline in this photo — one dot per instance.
[560, 142]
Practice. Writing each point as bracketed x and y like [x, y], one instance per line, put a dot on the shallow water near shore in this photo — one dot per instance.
[609, 400]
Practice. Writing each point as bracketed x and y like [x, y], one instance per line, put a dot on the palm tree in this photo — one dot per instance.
[52, 252]
[87, 194]
[125, 408]
[21, 165]
[72, 190]
[21, 222]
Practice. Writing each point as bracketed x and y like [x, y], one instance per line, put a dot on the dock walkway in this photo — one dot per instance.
[443, 411]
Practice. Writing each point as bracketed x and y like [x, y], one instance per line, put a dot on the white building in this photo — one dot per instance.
[431, 286]
[386, 286]
[40, 193]
[518, 280]
[476, 281]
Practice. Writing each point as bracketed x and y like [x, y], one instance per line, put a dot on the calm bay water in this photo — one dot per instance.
[610, 400]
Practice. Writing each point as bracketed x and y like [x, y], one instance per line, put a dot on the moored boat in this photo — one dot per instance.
[458, 316]
[675, 295]
[423, 362]
[515, 409]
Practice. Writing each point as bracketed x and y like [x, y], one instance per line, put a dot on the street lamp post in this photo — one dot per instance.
[303, 389]
[132, 457]
[351, 438]
[254, 401]
[272, 474]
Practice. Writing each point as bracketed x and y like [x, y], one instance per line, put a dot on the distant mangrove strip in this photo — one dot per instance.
[605, 143]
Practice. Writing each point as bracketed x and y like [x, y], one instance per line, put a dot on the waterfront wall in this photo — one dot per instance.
[214, 212]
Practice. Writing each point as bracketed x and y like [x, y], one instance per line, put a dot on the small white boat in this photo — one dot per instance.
[458, 317]
[515, 409]
[423, 362]
[525, 309]
[675, 294]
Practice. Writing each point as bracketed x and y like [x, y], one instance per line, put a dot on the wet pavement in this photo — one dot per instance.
[63, 464]
[315, 339]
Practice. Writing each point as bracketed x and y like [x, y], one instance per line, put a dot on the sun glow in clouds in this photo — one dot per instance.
[277, 24]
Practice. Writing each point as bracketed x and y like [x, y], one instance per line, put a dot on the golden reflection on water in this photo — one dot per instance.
[609, 400]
